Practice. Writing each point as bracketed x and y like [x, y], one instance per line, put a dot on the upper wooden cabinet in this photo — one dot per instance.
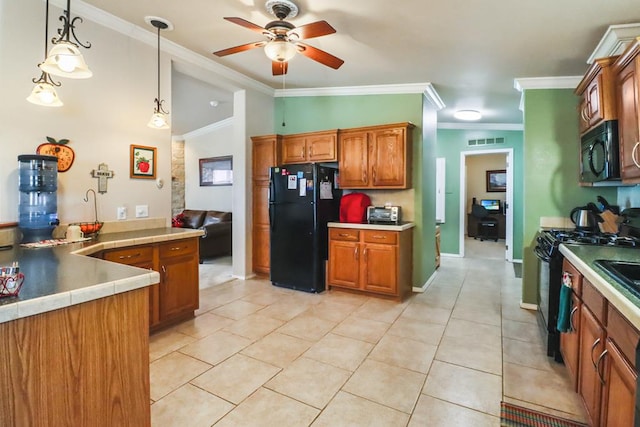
[597, 94]
[627, 83]
[376, 156]
[266, 153]
[310, 147]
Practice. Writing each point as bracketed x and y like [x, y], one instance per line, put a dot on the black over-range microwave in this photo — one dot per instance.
[600, 153]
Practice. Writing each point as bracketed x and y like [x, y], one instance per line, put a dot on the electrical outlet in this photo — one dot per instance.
[142, 211]
[122, 213]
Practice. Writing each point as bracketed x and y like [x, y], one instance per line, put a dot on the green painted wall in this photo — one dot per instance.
[451, 142]
[308, 114]
[551, 168]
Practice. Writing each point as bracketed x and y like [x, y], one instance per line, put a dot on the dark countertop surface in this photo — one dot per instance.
[583, 257]
[60, 276]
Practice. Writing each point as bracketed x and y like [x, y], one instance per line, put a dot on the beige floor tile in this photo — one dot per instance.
[522, 331]
[216, 347]
[307, 327]
[269, 409]
[309, 381]
[474, 333]
[380, 310]
[551, 389]
[188, 406]
[532, 355]
[265, 297]
[254, 326]
[361, 329]
[203, 325]
[164, 342]
[444, 300]
[404, 353]
[277, 349]
[391, 386]
[465, 387]
[427, 313]
[338, 351]
[426, 332]
[236, 378]
[477, 313]
[349, 410]
[337, 295]
[285, 309]
[331, 310]
[433, 412]
[172, 371]
[237, 309]
[482, 356]
[512, 311]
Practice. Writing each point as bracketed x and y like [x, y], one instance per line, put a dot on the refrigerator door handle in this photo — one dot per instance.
[271, 222]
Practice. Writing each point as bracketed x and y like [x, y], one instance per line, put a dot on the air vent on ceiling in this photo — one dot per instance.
[485, 141]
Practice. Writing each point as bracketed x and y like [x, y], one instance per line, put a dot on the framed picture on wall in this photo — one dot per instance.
[216, 171]
[142, 162]
[496, 181]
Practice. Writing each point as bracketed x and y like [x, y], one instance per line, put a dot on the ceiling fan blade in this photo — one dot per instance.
[246, 24]
[238, 49]
[309, 31]
[279, 68]
[319, 55]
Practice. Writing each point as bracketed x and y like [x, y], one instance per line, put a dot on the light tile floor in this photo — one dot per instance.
[258, 355]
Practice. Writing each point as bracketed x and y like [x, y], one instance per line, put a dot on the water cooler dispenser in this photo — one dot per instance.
[38, 204]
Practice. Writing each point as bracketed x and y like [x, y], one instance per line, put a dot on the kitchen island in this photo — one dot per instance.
[75, 342]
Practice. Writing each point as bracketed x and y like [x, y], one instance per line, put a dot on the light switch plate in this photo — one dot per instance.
[122, 213]
[142, 211]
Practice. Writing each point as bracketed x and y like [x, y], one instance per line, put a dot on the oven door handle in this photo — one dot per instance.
[541, 255]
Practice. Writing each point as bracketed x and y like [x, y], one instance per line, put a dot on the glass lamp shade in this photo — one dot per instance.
[469, 115]
[280, 50]
[158, 121]
[65, 60]
[44, 94]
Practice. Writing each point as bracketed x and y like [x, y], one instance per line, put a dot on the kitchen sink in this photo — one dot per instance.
[627, 273]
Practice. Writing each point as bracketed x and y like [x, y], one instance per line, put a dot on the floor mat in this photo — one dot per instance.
[517, 269]
[517, 416]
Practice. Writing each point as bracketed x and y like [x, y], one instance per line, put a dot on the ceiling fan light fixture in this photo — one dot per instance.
[280, 50]
[468, 115]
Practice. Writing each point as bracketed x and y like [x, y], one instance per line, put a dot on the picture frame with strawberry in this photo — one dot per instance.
[142, 162]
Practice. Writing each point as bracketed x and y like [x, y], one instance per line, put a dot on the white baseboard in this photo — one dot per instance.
[451, 255]
[424, 287]
[528, 306]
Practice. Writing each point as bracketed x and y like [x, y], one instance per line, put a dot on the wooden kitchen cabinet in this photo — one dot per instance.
[176, 297]
[627, 87]
[597, 94]
[371, 261]
[619, 393]
[266, 153]
[310, 147]
[376, 156]
[592, 336]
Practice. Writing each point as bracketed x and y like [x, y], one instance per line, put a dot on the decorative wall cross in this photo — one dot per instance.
[102, 173]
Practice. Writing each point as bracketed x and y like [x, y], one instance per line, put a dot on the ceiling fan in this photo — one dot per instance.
[284, 39]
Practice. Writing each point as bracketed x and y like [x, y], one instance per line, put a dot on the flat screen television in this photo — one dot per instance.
[492, 205]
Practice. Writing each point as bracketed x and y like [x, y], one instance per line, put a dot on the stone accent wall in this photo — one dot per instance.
[177, 177]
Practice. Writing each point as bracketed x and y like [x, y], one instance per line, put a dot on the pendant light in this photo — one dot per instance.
[44, 92]
[159, 117]
[65, 59]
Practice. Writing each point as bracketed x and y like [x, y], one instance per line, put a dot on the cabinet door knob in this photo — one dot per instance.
[593, 347]
[634, 155]
[600, 374]
[355, 253]
[572, 328]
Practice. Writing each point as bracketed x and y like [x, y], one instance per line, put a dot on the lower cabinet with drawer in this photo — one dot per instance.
[176, 297]
[372, 261]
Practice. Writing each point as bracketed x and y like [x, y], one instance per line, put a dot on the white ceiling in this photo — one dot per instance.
[471, 51]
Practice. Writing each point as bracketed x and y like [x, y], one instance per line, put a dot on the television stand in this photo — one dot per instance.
[472, 224]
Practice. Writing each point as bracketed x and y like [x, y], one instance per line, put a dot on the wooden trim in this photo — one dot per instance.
[592, 72]
[8, 224]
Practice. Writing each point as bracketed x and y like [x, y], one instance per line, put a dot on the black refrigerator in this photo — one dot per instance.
[303, 198]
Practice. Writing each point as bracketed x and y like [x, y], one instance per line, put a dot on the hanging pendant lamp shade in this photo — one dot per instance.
[159, 118]
[65, 59]
[44, 92]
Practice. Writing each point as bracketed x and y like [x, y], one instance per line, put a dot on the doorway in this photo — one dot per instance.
[477, 171]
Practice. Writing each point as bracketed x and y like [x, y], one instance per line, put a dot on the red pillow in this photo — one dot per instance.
[178, 221]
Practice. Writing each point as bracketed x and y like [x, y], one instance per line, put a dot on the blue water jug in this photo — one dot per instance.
[38, 196]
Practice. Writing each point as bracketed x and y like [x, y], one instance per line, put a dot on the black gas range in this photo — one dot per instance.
[550, 272]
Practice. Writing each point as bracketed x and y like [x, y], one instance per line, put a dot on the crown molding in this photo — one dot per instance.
[207, 129]
[354, 90]
[481, 126]
[561, 82]
[614, 41]
[433, 97]
[149, 37]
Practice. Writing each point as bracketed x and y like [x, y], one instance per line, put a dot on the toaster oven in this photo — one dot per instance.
[384, 214]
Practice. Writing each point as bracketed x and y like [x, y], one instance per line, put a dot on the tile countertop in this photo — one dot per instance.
[400, 227]
[60, 276]
[583, 256]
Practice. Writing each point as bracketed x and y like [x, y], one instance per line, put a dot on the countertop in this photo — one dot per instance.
[62, 276]
[400, 227]
[583, 256]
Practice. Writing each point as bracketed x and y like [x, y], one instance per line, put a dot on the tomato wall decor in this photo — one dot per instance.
[59, 149]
